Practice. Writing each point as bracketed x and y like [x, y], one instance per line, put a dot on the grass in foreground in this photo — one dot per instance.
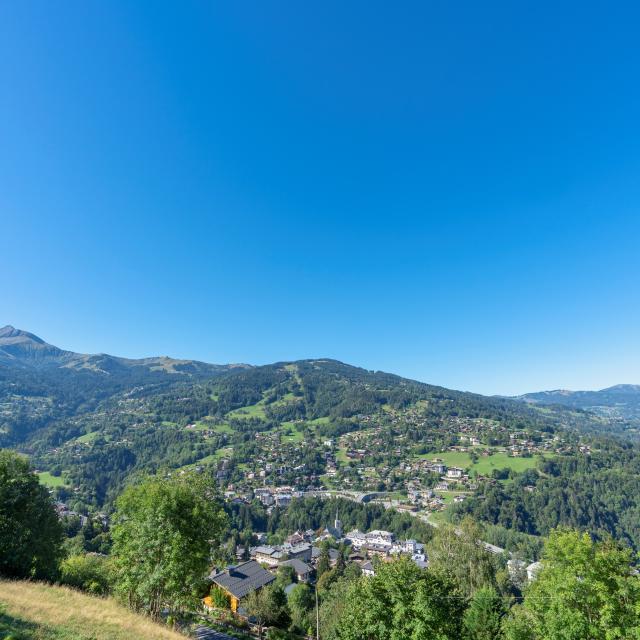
[37, 611]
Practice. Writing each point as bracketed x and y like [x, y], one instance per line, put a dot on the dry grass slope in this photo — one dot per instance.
[36, 611]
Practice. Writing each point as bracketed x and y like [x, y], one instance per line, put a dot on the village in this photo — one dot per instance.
[299, 558]
[378, 460]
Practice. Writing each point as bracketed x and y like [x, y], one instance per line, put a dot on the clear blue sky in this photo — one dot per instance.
[445, 190]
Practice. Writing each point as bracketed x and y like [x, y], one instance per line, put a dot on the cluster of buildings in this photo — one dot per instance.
[384, 544]
[300, 553]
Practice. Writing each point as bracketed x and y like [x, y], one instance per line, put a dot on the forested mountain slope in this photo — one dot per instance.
[307, 425]
[41, 384]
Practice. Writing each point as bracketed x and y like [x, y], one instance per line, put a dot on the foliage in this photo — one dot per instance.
[599, 492]
[219, 597]
[301, 604]
[30, 533]
[89, 572]
[456, 553]
[402, 601]
[585, 591]
[483, 618]
[269, 607]
[163, 536]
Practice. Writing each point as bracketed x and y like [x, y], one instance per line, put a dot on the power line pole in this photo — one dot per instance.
[317, 615]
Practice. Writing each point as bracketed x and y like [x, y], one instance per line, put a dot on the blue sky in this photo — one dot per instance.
[448, 191]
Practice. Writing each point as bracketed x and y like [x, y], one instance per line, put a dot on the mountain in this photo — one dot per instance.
[620, 402]
[90, 423]
[22, 349]
[41, 384]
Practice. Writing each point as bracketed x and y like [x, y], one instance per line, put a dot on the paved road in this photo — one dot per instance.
[206, 633]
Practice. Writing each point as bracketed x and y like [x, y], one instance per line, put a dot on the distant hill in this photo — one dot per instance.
[37, 610]
[22, 349]
[41, 383]
[621, 401]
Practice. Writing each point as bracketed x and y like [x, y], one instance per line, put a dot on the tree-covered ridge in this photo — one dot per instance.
[145, 427]
[322, 424]
[599, 493]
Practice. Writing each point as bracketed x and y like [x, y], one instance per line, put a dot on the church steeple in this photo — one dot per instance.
[337, 525]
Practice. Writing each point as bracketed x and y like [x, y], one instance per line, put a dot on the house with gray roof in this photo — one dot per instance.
[239, 581]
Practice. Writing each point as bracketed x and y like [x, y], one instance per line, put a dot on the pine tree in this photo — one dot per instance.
[483, 618]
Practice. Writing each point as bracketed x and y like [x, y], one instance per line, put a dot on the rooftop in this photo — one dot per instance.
[244, 578]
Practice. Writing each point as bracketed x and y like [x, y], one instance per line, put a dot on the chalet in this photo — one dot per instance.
[239, 581]
[267, 554]
[274, 555]
[454, 472]
[302, 569]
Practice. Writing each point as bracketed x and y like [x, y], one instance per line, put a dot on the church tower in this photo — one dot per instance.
[337, 525]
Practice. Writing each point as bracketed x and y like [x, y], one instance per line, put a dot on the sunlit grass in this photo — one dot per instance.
[37, 611]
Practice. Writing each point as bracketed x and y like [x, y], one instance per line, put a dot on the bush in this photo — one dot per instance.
[90, 572]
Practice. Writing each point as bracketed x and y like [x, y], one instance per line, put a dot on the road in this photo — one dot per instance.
[206, 633]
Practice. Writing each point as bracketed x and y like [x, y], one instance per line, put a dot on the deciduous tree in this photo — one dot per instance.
[163, 536]
[30, 532]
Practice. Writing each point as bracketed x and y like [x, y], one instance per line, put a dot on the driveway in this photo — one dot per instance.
[206, 633]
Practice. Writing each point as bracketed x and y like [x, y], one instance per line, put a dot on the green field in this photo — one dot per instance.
[88, 437]
[252, 411]
[51, 481]
[204, 425]
[448, 496]
[486, 465]
[291, 434]
[225, 452]
[451, 458]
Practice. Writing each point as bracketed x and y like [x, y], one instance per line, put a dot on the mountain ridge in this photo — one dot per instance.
[21, 348]
[620, 401]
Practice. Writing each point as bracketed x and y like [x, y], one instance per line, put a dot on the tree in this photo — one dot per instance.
[584, 591]
[458, 554]
[89, 572]
[483, 619]
[301, 604]
[258, 607]
[280, 614]
[30, 532]
[163, 536]
[402, 601]
[269, 607]
[219, 597]
[285, 576]
[324, 562]
[332, 607]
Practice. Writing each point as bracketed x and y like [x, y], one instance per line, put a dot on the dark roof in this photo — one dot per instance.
[244, 578]
[298, 566]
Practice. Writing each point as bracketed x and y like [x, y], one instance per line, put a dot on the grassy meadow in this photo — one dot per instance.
[36, 611]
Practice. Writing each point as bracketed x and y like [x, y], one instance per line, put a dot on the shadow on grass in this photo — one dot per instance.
[12, 628]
